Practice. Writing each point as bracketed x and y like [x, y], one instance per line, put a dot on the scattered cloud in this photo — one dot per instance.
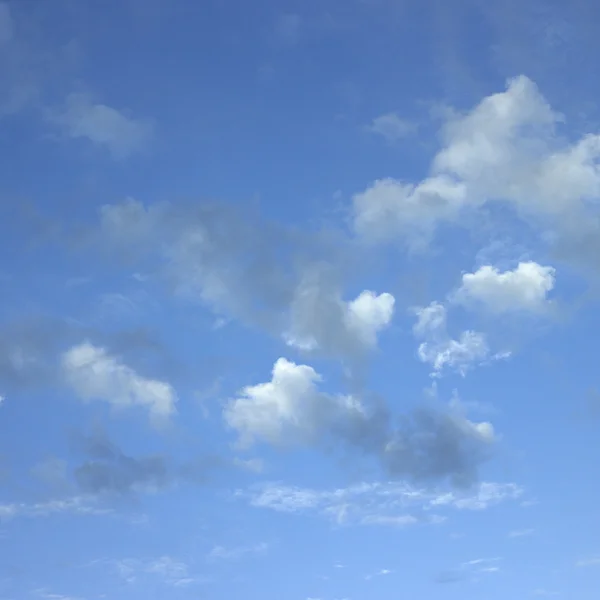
[94, 374]
[391, 127]
[102, 125]
[524, 289]
[505, 150]
[592, 561]
[391, 504]
[380, 573]
[6, 23]
[470, 570]
[320, 319]
[284, 282]
[165, 569]
[443, 352]
[109, 471]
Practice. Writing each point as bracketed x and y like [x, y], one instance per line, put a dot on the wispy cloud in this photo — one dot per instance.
[391, 127]
[237, 552]
[591, 561]
[103, 125]
[521, 533]
[387, 504]
[470, 570]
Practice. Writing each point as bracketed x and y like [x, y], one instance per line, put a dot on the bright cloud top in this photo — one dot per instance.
[506, 149]
[94, 374]
[525, 288]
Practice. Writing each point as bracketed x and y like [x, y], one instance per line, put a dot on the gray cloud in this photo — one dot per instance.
[429, 443]
[109, 471]
[240, 266]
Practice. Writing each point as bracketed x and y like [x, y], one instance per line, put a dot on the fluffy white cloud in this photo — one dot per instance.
[391, 127]
[221, 552]
[239, 268]
[525, 288]
[96, 375]
[506, 149]
[103, 125]
[426, 444]
[289, 408]
[441, 351]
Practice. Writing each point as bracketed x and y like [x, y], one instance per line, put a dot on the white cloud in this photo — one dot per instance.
[103, 125]
[506, 149]
[525, 288]
[391, 127]
[320, 319]
[289, 408]
[221, 552]
[440, 350]
[387, 504]
[96, 375]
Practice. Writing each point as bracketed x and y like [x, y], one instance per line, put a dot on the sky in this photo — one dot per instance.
[299, 300]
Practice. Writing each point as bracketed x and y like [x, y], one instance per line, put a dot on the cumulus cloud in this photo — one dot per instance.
[391, 127]
[440, 350]
[320, 319]
[427, 444]
[504, 150]
[103, 125]
[94, 374]
[523, 289]
[290, 408]
[237, 552]
[386, 504]
[287, 283]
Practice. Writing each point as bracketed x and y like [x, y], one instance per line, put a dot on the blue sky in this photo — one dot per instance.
[299, 300]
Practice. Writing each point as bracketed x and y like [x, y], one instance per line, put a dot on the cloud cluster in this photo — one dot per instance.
[505, 150]
[263, 275]
[427, 444]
